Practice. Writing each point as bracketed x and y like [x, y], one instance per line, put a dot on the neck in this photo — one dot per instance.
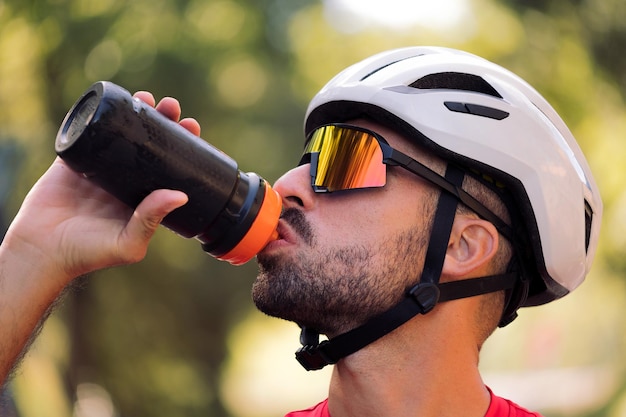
[412, 371]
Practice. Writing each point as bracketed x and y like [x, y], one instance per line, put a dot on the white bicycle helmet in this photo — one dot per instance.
[481, 117]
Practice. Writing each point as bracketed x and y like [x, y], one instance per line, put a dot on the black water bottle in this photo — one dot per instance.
[130, 149]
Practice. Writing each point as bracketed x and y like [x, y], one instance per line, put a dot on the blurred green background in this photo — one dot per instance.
[177, 335]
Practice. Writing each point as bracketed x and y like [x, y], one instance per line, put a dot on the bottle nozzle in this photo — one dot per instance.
[262, 231]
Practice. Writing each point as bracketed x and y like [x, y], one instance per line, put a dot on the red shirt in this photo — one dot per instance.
[499, 407]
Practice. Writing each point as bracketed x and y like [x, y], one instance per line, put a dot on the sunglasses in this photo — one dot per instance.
[345, 157]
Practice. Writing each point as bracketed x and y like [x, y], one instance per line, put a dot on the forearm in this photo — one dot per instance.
[28, 290]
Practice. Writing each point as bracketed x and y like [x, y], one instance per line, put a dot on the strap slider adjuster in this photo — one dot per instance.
[426, 295]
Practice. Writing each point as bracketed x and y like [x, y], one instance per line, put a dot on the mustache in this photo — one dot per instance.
[297, 221]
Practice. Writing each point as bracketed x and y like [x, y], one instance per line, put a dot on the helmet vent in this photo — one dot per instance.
[386, 65]
[588, 221]
[476, 109]
[455, 81]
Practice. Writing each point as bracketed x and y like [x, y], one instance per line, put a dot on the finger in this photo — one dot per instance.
[145, 220]
[191, 125]
[146, 97]
[170, 108]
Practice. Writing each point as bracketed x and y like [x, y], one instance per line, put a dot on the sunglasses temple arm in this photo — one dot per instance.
[394, 157]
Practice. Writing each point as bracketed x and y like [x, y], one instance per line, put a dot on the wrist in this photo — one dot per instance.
[24, 265]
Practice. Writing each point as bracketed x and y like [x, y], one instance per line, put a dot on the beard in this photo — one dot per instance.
[335, 289]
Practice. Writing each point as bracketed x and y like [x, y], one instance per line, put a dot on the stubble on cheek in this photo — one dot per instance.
[336, 289]
[317, 289]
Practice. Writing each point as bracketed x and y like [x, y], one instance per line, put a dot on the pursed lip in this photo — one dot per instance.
[286, 236]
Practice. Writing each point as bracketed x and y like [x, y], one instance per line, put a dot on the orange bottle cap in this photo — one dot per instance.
[262, 231]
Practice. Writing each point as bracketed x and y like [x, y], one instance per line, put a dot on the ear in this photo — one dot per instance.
[473, 243]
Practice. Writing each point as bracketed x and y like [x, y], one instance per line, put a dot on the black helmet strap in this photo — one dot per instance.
[420, 299]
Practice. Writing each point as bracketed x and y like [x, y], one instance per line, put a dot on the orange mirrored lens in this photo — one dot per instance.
[347, 159]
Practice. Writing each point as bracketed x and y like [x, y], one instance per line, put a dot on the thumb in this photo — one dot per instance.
[146, 219]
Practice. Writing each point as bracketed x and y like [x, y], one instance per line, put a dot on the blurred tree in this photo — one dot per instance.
[10, 158]
[600, 24]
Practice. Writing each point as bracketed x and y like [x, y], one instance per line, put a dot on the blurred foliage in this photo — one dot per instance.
[153, 334]
[150, 339]
[600, 24]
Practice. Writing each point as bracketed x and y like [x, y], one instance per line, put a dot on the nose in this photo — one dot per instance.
[295, 188]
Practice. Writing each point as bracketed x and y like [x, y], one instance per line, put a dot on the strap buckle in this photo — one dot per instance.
[313, 358]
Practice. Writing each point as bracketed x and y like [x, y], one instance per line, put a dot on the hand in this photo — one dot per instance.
[67, 226]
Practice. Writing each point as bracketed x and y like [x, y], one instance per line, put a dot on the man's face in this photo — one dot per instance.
[346, 256]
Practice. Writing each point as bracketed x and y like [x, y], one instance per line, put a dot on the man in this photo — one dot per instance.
[427, 208]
